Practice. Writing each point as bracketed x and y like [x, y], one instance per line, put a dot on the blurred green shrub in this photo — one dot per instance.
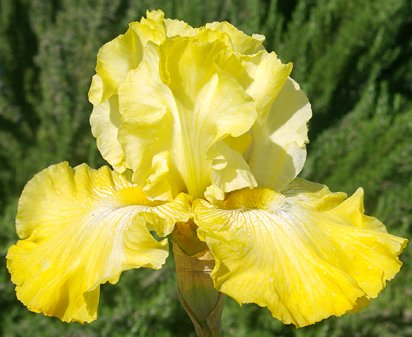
[353, 58]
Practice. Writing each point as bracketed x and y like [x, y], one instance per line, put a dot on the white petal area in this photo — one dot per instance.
[305, 256]
[80, 228]
[278, 150]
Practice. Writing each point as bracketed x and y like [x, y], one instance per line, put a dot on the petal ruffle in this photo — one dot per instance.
[306, 254]
[269, 75]
[178, 28]
[124, 53]
[80, 228]
[114, 60]
[240, 42]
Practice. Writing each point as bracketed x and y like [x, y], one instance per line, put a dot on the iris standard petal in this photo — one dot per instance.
[240, 42]
[306, 254]
[105, 121]
[229, 170]
[178, 28]
[180, 113]
[212, 105]
[278, 151]
[203, 86]
[80, 228]
[124, 53]
[146, 132]
[115, 60]
[268, 75]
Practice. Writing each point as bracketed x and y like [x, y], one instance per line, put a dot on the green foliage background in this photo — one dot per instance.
[353, 59]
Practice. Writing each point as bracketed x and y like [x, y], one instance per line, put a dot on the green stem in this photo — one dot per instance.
[202, 302]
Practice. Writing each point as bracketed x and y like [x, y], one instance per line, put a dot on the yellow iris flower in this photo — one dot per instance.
[206, 133]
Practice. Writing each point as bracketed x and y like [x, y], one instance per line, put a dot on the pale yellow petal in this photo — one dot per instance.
[278, 149]
[124, 53]
[229, 170]
[178, 28]
[239, 144]
[114, 60]
[105, 121]
[240, 42]
[269, 75]
[212, 105]
[305, 254]
[80, 228]
[96, 90]
[190, 90]
[147, 108]
[150, 29]
[181, 113]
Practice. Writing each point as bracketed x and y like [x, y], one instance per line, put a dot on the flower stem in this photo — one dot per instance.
[199, 298]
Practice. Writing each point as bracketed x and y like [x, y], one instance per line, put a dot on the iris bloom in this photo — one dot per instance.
[206, 133]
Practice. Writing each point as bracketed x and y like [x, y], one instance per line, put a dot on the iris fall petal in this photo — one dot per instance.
[306, 254]
[80, 228]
